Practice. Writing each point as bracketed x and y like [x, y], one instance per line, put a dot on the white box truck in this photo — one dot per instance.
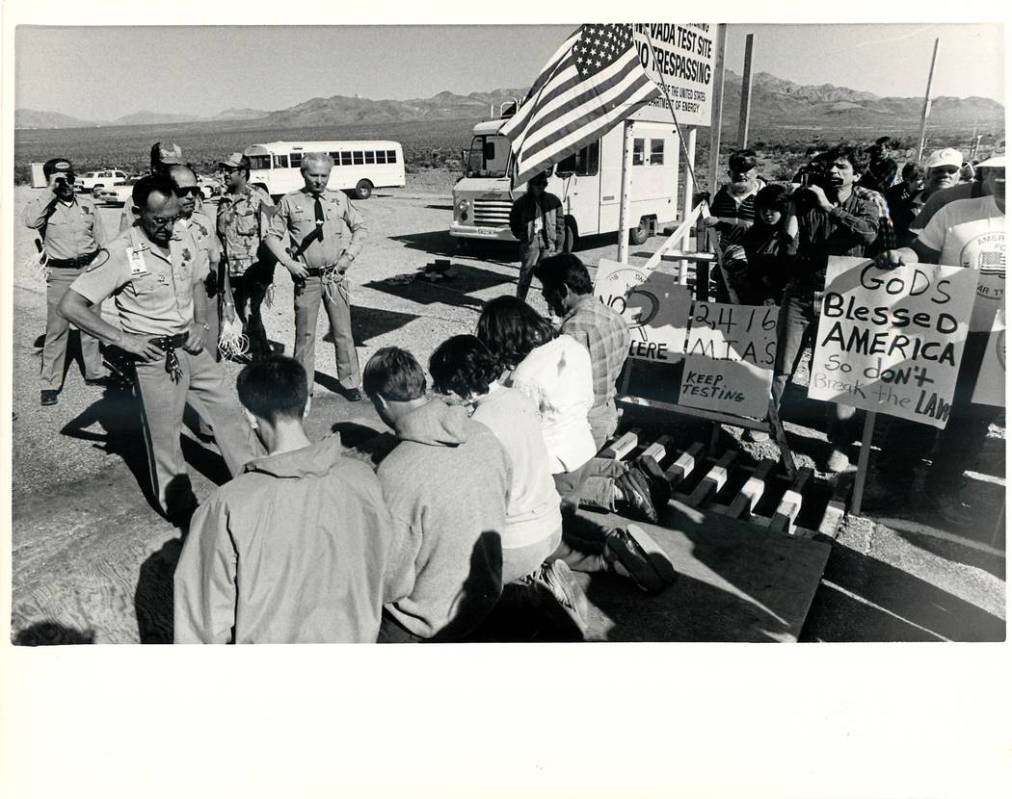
[588, 182]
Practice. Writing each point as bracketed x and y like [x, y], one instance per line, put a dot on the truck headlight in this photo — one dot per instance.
[463, 209]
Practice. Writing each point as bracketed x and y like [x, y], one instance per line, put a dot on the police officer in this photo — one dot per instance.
[327, 233]
[72, 236]
[163, 158]
[243, 214]
[538, 222]
[154, 269]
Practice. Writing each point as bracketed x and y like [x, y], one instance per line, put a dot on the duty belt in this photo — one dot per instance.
[169, 344]
[72, 263]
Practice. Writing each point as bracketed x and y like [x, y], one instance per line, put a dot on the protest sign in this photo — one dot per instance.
[656, 308]
[891, 340]
[729, 355]
[685, 54]
[990, 386]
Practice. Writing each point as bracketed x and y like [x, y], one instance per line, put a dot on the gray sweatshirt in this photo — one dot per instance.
[447, 481]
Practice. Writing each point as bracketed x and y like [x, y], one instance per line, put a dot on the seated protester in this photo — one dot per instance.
[732, 210]
[463, 369]
[832, 220]
[569, 292]
[299, 547]
[904, 201]
[554, 370]
[767, 248]
[968, 233]
[881, 171]
[446, 481]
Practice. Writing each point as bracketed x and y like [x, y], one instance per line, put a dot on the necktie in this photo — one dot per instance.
[318, 215]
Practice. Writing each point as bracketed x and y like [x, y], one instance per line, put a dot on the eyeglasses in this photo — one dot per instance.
[183, 191]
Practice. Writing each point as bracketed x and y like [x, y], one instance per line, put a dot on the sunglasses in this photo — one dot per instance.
[183, 191]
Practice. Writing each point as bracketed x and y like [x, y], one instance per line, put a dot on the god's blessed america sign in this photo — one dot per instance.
[891, 340]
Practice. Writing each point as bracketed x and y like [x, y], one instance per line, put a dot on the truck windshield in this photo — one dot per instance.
[488, 157]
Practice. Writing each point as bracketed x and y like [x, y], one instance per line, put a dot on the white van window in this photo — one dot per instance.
[281, 162]
[346, 158]
[296, 159]
[358, 157]
[259, 161]
[370, 157]
[583, 162]
[381, 156]
[391, 156]
[638, 151]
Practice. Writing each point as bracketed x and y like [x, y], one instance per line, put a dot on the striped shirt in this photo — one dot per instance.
[886, 239]
[736, 213]
[605, 334]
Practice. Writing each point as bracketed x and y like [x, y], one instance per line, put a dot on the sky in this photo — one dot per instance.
[270, 68]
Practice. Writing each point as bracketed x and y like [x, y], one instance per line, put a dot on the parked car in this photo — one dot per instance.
[101, 179]
[114, 195]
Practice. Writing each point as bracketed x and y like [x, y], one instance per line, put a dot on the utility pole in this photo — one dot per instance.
[745, 112]
[927, 102]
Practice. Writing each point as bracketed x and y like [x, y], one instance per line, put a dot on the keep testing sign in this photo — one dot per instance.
[891, 340]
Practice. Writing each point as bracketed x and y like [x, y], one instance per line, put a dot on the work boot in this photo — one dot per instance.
[633, 554]
[48, 396]
[556, 580]
[755, 436]
[660, 488]
[636, 502]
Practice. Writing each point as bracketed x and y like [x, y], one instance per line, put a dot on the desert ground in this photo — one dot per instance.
[91, 554]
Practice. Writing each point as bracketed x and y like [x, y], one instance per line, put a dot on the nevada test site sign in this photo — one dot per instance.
[891, 340]
[685, 54]
[656, 308]
[729, 355]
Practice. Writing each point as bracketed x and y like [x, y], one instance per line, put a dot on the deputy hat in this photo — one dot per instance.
[234, 161]
[994, 162]
[945, 157]
[170, 154]
[56, 165]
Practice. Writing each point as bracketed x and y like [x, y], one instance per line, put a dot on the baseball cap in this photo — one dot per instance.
[945, 157]
[56, 165]
[994, 162]
[233, 161]
[170, 154]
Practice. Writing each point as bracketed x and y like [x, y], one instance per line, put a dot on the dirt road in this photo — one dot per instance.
[91, 553]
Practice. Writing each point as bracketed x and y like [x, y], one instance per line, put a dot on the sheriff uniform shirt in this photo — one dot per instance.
[68, 230]
[344, 229]
[153, 292]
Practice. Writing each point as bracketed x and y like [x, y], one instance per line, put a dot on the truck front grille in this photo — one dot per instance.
[493, 213]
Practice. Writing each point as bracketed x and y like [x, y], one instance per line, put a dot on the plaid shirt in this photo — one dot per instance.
[605, 334]
[887, 239]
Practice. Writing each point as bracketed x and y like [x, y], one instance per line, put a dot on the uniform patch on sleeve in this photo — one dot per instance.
[187, 255]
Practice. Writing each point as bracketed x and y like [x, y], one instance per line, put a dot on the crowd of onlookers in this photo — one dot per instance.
[775, 240]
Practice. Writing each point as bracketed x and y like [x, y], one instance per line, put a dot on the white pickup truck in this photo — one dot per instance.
[104, 178]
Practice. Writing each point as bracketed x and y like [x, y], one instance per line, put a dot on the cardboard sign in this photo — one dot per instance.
[729, 355]
[656, 308]
[990, 386]
[684, 53]
[891, 340]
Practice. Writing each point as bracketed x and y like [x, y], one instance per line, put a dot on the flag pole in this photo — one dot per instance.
[927, 102]
[626, 196]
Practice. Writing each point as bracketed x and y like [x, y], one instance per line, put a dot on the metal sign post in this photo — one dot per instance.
[626, 196]
[927, 102]
[745, 113]
[717, 110]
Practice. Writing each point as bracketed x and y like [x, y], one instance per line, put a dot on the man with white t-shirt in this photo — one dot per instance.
[968, 233]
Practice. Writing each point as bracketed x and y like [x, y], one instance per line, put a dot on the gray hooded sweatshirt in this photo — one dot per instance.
[447, 482]
[299, 548]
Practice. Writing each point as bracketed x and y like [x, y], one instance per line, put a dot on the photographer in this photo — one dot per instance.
[72, 237]
[833, 219]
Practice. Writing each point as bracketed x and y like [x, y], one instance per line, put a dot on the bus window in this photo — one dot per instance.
[359, 157]
[582, 162]
[281, 162]
[296, 159]
[381, 156]
[334, 156]
[346, 158]
[657, 151]
[391, 156]
[259, 161]
[370, 157]
[638, 152]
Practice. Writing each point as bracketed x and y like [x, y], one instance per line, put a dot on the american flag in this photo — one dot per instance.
[593, 82]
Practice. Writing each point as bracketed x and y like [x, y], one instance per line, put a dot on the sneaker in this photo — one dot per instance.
[636, 501]
[48, 397]
[636, 556]
[837, 461]
[556, 578]
[660, 488]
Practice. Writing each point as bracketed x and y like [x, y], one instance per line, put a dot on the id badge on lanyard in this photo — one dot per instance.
[135, 257]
